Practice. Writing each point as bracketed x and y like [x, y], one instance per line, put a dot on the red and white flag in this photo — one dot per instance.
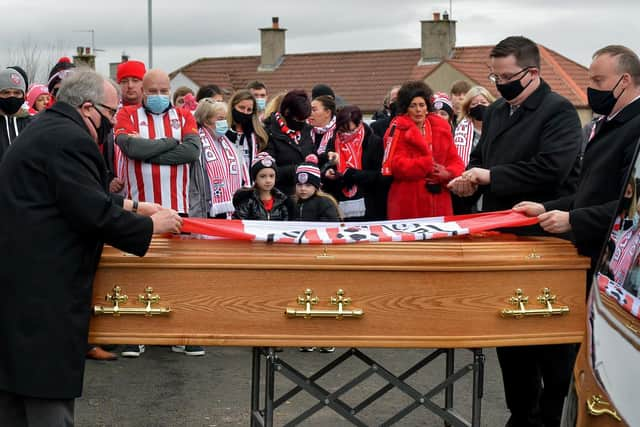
[354, 232]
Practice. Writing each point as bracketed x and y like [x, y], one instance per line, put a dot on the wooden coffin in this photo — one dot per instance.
[433, 294]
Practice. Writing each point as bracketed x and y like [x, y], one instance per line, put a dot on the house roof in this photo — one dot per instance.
[364, 77]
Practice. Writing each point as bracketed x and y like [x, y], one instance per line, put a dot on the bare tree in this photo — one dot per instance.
[36, 58]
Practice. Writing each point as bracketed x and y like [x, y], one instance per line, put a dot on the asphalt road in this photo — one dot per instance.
[162, 388]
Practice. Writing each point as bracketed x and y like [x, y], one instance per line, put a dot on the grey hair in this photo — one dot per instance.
[80, 87]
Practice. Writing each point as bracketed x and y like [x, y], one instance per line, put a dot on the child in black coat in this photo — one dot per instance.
[312, 204]
[262, 201]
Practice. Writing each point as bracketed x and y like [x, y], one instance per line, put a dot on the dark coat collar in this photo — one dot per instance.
[70, 112]
[627, 113]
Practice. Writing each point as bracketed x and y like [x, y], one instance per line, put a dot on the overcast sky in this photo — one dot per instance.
[190, 29]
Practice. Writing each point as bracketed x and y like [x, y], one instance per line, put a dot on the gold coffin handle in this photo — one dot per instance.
[309, 300]
[117, 298]
[546, 299]
[596, 400]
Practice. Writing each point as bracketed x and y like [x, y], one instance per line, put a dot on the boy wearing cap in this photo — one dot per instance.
[13, 119]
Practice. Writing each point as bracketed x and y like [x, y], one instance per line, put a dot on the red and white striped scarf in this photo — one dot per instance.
[349, 149]
[327, 133]
[224, 170]
[625, 254]
[167, 185]
[463, 139]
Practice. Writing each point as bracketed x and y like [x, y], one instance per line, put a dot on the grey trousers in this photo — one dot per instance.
[24, 411]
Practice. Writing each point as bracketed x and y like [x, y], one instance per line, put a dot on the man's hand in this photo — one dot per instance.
[462, 187]
[330, 174]
[478, 176]
[148, 209]
[529, 208]
[166, 221]
[116, 185]
[555, 221]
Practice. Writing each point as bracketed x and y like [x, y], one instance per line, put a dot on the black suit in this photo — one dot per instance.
[533, 154]
[56, 214]
[606, 162]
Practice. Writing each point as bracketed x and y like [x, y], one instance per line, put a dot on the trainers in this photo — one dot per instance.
[306, 349]
[189, 350]
[327, 349]
[132, 350]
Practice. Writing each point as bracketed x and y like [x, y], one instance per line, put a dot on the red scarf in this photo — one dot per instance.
[326, 132]
[293, 135]
[349, 149]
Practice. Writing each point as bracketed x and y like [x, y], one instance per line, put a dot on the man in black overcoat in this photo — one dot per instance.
[56, 214]
[614, 92]
[529, 150]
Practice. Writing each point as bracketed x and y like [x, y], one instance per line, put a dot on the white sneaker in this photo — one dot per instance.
[189, 350]
[132, 350]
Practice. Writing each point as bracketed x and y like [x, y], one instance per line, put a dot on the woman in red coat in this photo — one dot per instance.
[421, 157]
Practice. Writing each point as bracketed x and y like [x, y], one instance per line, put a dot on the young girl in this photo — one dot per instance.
[262, 201]
[312, 204]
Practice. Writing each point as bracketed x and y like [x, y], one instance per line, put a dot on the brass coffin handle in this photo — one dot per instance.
[117, 298]
[309, 300]
[596, 400]
[546, 299]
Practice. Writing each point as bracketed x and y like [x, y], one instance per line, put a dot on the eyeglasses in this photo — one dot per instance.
[112, 111]
[495, 79]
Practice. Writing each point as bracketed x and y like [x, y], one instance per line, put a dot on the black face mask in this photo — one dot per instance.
[512, 89]
[243, 119]
[294, 124]
[104, 130]
[393, 109]
[477, 112]
[11, 105]
[603, 101]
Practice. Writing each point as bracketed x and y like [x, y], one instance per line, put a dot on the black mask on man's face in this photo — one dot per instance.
[393, 108]
[104, 130]
[603, 101]
[512, 90]
[11, 105]
[477, 112]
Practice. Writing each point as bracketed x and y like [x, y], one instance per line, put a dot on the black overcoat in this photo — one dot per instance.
[605, 165]
[533, 154]
[56, 213]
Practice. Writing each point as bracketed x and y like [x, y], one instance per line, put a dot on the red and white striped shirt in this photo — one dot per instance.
[167, 185]
[463, 139]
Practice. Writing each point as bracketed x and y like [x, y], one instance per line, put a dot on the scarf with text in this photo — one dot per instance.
[349, 149]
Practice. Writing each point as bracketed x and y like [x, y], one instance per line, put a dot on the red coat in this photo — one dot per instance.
[412, 164]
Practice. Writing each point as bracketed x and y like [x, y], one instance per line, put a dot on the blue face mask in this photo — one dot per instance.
[157, 103]
[221, 127]
[261, 103]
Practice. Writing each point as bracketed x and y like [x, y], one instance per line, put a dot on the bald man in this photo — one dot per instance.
[158, 142]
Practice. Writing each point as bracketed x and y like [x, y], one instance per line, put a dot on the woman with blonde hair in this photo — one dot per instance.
[246, 132]
[469, 129]
[218, 173]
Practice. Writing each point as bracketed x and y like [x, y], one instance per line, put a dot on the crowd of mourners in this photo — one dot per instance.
[289, 156]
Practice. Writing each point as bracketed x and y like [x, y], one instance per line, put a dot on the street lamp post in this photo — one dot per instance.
[150, 34]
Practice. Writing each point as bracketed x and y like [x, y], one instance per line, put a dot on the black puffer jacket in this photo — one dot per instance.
[248, 205]
[316, 208]
[10, 128]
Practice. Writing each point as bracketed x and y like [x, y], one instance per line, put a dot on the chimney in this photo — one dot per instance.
[271, 46]
[113, 66]
[438, 39]
[84, 57]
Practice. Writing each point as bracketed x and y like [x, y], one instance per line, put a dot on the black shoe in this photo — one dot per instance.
[189, 350]
[132, 350]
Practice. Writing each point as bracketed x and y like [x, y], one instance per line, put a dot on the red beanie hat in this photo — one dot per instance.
[134, 69]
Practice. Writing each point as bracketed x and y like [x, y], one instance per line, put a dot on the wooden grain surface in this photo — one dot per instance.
[414, 295]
